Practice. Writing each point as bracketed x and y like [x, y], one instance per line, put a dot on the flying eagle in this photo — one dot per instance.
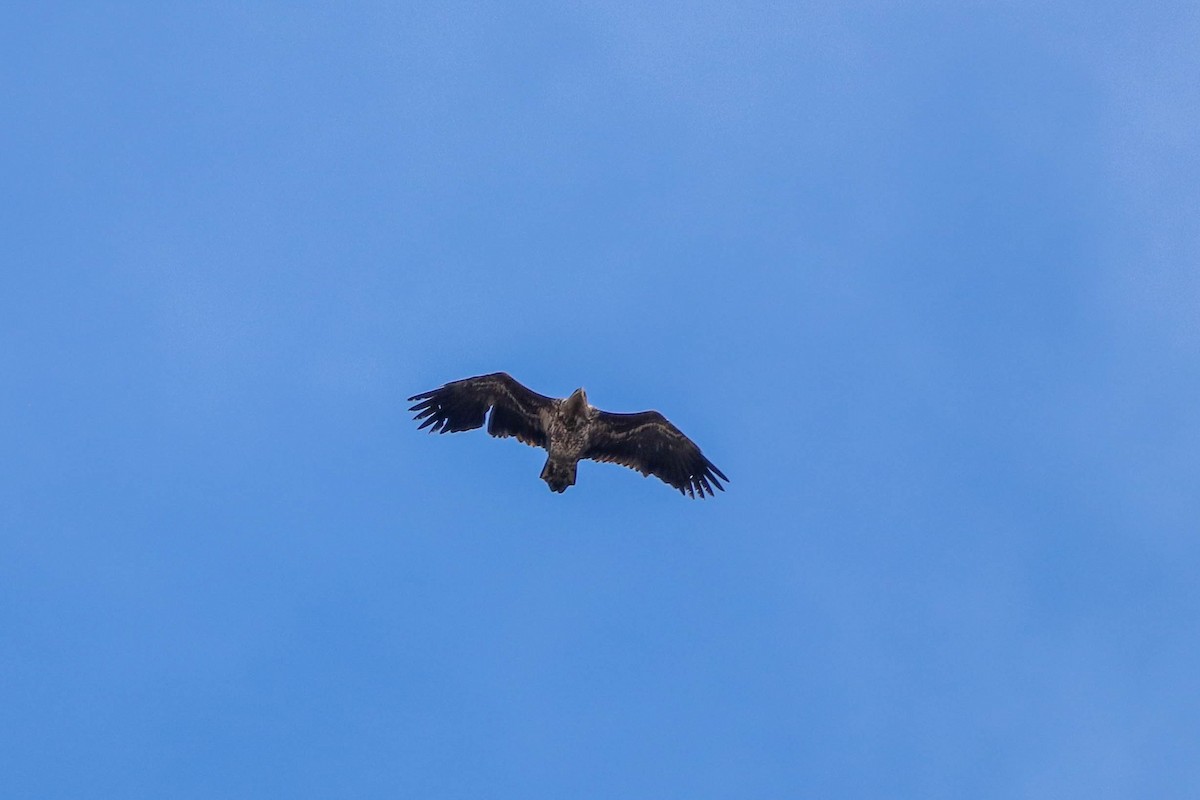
[569, 429]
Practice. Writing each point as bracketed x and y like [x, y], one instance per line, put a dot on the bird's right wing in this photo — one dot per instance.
[462, 406]
[649, 443]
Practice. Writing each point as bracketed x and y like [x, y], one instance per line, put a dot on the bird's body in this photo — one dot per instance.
[570, 430]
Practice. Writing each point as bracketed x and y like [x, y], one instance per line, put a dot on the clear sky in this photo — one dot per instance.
[922, 278]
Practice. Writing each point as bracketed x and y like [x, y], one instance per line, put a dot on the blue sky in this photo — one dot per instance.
[921, 278]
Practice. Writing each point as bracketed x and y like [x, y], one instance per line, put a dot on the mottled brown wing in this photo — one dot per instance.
[649, 443]
[463, 405]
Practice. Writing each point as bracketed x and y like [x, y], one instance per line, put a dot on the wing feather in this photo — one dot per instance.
[650, 444]
[463, 406]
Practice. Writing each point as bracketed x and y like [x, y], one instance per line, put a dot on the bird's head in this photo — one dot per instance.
[577, 403]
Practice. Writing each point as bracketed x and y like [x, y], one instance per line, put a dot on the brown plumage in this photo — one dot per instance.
[569, 430]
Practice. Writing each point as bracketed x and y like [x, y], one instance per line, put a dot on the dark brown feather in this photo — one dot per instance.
[649, 443]
[463, 406]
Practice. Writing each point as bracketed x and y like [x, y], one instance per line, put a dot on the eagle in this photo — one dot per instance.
[569, 429]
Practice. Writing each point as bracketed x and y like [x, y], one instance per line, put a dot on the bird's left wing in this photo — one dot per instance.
[463, 405]
[649, 443]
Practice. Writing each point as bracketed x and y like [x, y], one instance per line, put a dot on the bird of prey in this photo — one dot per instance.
[570, 430]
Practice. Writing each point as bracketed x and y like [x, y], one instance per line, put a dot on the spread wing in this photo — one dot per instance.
[650, 444]
[462, 406]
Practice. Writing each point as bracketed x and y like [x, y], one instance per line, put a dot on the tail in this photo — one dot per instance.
[558, 475]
